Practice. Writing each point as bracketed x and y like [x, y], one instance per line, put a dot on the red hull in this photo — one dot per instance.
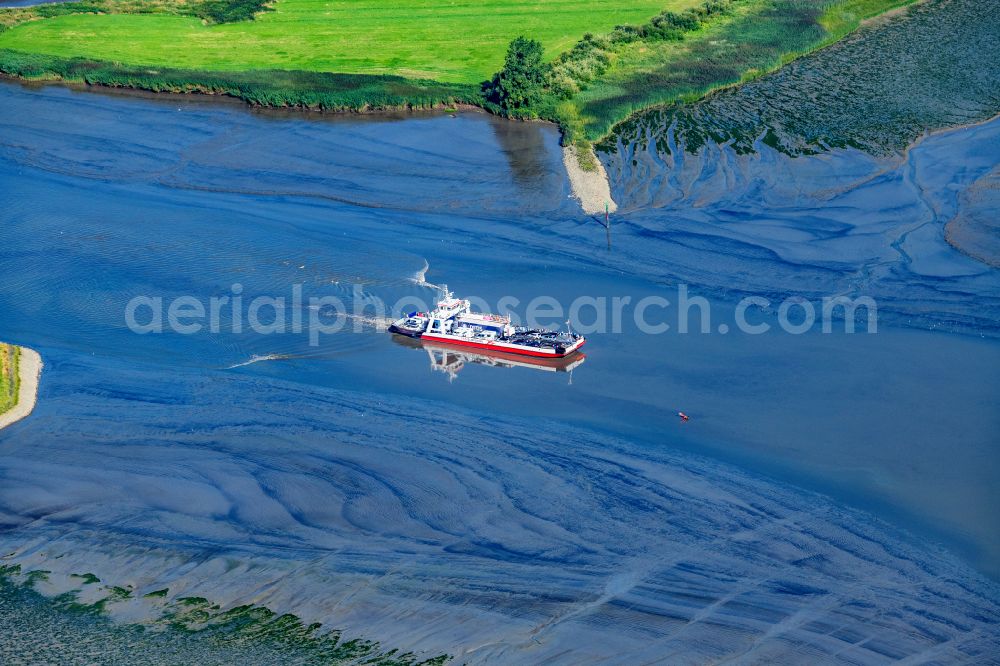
[496, 348]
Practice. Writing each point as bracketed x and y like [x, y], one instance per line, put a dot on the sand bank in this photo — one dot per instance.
[30, 370]
[591, 188]
[975, 229]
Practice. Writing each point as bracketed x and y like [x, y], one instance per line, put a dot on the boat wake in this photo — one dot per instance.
[420, 277]
[377, 322]
[257, 358]
[373, 321]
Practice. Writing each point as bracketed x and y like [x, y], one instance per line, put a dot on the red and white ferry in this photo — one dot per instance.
[452, 322]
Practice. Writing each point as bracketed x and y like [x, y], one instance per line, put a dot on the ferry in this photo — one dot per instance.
[452, 322]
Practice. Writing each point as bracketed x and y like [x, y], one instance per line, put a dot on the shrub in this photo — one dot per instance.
[229, 11]
[519, 89]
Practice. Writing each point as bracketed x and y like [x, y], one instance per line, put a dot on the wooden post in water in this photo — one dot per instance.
[607, 223]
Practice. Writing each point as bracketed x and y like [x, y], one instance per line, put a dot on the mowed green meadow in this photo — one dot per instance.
[461, 41]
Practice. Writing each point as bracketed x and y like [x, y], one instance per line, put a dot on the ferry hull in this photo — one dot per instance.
[556, 363]
[499, 359]
[471, 344]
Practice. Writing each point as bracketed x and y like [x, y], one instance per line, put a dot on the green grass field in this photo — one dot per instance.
[363, 54]
[446, 40]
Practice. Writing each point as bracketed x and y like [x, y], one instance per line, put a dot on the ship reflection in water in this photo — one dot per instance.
[450, 361]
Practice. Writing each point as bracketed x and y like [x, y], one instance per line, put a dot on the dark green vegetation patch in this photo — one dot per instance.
[229, 11]
[209, 11]
[752, 40]
[65, 630]
[876, 91]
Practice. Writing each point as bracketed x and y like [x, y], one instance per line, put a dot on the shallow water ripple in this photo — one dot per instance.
[515, 541]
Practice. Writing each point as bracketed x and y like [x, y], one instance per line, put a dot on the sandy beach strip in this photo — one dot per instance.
[591, 188]
[30, 370]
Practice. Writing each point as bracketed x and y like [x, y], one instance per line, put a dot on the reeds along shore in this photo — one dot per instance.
[321, 91]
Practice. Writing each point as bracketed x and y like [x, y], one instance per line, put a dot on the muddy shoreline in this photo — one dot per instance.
[401, 111]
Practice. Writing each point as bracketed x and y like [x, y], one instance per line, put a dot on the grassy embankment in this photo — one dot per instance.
[348, 54]
[10, 380]
[361, 54]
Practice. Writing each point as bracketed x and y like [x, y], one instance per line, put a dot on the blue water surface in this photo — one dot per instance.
[357, 457]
